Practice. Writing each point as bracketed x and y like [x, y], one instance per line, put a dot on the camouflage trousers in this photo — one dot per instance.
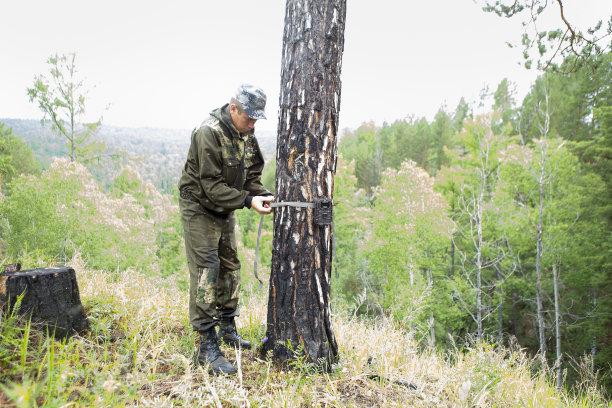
[214, 268]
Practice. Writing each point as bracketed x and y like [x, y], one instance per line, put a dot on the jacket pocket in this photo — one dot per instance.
[231, 168]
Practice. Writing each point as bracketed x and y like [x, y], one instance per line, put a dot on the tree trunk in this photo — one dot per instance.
[299, 313]
[479, 306]
[72, 141]
[557, 327]
[514, 313]
[541, 179]
[452, 257]
[539, 249]
[411, 271]
[432, 325]
[594, 340]
[500, 309]
[50, 297]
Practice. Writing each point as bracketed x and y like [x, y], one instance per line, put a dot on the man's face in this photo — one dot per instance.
[241, 121]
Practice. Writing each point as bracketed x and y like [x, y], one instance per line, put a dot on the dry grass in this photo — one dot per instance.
[139, 353]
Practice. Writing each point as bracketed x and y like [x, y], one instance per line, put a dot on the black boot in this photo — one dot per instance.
[209, 353]
[227, 331]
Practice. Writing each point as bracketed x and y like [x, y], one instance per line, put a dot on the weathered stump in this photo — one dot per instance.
[50, 297]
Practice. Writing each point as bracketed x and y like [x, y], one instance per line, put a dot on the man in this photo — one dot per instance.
[222, 174]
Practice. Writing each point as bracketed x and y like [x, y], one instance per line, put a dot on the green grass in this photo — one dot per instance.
[139, 352]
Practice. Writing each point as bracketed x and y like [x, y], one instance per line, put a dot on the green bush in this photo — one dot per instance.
[64, 211]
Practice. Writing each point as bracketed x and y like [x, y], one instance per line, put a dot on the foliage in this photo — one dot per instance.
[37, 215]
[412, 139]
[572, 229]
[128, 181]
[363, 147]
[15, 157]
[564, 41]
[441, 139]
[64, 211]
[268, 178]
[375, 150]
[479, 243]
[170, 249]
[488, 178]
[351, 222]
[61, 98]
[505, 106]
[573, 99]
[462, 112]
[410, 232]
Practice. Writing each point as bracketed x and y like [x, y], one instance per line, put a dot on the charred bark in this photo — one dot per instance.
[50, 297]
[299, 313]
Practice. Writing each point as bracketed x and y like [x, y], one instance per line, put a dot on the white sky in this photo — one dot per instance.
[168, 63]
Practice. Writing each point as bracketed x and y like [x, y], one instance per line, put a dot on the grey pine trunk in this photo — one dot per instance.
[479, 305]
[539, 250]
[594, 340]
[558, 362]
[299, 314]
[541, 179]
[432, 325]
[500, 307]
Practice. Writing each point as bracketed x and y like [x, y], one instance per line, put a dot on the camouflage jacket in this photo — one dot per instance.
[223, 165]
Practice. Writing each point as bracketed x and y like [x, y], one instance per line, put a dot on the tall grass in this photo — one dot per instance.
[139, 352]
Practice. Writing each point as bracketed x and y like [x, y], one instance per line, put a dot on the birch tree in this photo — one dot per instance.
[550, 195]
[410, 231]
[481, 246]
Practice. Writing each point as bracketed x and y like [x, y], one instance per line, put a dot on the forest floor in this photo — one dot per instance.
[139, 352]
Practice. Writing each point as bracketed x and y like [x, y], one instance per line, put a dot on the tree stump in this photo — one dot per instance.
[50, 297]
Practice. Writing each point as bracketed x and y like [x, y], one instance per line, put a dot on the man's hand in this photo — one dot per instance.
[261, 204]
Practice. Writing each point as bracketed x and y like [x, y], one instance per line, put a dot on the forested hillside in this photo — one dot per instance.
[472, 258]
[493, 223]
[157, 154]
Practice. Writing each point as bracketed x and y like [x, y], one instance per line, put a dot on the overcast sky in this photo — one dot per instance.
[166, 63]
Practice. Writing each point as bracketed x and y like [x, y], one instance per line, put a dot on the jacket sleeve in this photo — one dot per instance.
[212, 180]
[253, 182]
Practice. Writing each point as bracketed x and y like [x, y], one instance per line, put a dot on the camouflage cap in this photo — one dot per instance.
[253, 101]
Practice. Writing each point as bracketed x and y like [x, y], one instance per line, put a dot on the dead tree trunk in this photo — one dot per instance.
[500, 307]
[50, 296]
[299, 313]
[559, 355]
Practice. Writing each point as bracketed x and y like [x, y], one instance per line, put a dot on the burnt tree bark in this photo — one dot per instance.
[50, 296]
[299, 313]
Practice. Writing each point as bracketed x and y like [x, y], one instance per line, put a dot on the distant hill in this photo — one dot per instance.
[157, 154]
